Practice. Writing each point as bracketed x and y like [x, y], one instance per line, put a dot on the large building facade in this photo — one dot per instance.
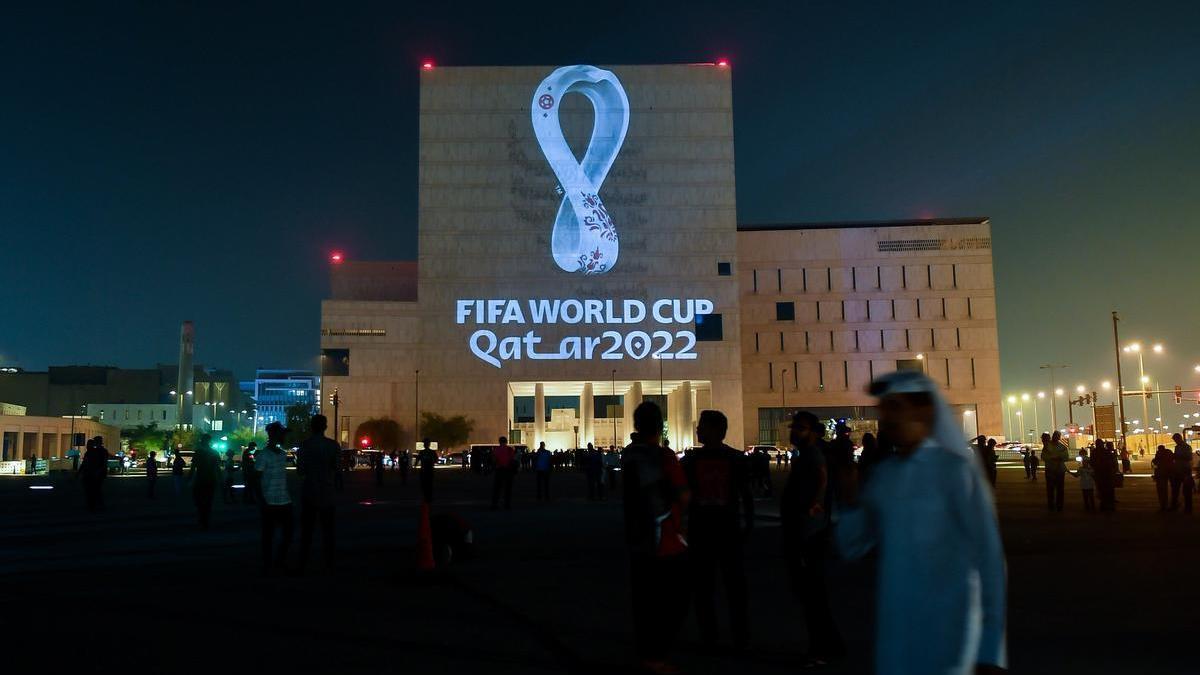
[580, 253]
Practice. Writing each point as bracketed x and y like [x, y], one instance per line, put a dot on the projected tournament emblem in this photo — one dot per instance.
[584, 237]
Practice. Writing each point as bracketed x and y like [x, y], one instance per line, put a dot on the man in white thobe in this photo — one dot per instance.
[941, 604]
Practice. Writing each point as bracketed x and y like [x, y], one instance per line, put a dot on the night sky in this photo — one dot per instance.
[171, 161]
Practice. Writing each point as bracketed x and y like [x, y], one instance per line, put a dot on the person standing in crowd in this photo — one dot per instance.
[405, 462]
[250, 493]
[805, 514]
[177, 466]
[1181, 476]
[204, 474]
[504, 460]
[92, 470]
[542, 462]
[1126, 463]
[151, 473]
[276, 500]
[1087, 481]
[1054, 453]
[720, 515]
[985, 450]
[941, 577]
[317, 464]
[1034, 463]
[872, 455]
[377, 467]
[654, 509]
[426, 460]
[1104, 467]
[593, 471]
[1163, 465]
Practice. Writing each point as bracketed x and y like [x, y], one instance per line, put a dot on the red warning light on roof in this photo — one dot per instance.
[723, 63]
[427, 65]
[336, 257]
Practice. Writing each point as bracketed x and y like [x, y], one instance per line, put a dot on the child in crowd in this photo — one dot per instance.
[1087, 481]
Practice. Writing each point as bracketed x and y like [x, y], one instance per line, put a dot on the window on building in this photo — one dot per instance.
[724, 269]
[335, 362]
[709, 328]
[910, 364]
[785, 311]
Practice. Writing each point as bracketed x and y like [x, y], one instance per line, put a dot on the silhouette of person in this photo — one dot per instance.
[1087, 481]
[505, 465]
[804, 510]
[377, 467]
[941, 579]
[151, 473]
[317, 464]
[655, 502]
[404, 462]
[720, 515]
[1054, 454]
[426, 460]
[270, 464]
[92, 470]
[227, 490]
[872, 455]
[1163, 465]
[177, 467]
[1103, 463]
[593, 471]
[1181, 477]
[542, 464]
[204, 473]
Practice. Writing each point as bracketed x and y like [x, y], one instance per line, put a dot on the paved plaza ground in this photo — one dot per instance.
[140, 589]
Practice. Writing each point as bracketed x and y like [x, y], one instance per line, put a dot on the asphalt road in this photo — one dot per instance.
[140, 589]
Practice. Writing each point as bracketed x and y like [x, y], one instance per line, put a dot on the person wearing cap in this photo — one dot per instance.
[804, 511]
[929, 511]
[270, 464]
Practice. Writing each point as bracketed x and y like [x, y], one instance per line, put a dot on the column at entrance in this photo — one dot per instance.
[686, 425]
[587, 403]
[633, 398]
[539, 415]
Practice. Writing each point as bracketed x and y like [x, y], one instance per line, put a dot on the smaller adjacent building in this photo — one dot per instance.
[275, 391]
[48, 438]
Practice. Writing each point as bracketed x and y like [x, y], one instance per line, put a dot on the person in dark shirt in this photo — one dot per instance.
[151, 473]
[426, 460]
[655, 506]
[805, 513]
[317, 463]
[205, 470]
[250, 494]
[1181, 478]
[1163, 464]
[720, 515]
[92, 470]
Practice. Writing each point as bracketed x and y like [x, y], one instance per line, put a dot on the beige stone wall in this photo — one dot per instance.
[860, 307]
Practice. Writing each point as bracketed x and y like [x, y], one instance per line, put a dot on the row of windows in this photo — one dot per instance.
[112, 415]
[887, 340]
[353, 331]
[856, 375]
[895, 309]
[944, 276]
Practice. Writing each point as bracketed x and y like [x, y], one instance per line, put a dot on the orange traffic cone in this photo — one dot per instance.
[424, 541]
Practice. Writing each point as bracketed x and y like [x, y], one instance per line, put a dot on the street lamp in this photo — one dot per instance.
[1021, 425]
[1024, 400]
[1040, 395]
[1012, 400]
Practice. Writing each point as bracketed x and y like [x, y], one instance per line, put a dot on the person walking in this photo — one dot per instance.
[92, 470]
[1126, 462]
[1026, 459]
[426, 460]
[720, 515]
[271, 467]
[542, 461]
[227, 482]
[177, 467]
[1054, 454]
[1104, 466]
[504, 459]
[1163, 466]
[151, 473]
[1181, 476]
[929, 512]
[1087, 481]
[251, 493]
[204, 474]
[804, 511]
[317, 464]
[654, 510]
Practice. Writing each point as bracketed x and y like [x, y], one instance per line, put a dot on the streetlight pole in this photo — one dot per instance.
[1024, 399]
[1120, 386]
[1053, 403]
[416, 407]
[1037, 427]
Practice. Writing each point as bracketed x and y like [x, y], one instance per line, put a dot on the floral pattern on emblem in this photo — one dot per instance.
[599, 221]
[590, 263]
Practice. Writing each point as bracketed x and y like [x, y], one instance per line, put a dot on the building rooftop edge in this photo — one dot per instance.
[864, 224]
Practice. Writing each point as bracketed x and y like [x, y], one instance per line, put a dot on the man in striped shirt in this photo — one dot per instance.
[271, 466]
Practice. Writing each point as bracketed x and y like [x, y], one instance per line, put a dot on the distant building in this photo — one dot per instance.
[276, 390]
[11, 409]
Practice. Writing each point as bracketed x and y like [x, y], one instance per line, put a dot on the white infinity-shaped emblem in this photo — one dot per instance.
[584, 238]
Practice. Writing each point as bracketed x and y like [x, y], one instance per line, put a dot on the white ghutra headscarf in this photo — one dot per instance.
[946, 430]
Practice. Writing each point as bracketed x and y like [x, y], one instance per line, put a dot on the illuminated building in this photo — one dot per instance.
[579, 252]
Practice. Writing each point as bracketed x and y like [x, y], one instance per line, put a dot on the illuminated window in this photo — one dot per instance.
[709, 328]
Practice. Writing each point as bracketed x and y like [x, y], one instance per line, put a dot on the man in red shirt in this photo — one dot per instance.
[505, 460]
